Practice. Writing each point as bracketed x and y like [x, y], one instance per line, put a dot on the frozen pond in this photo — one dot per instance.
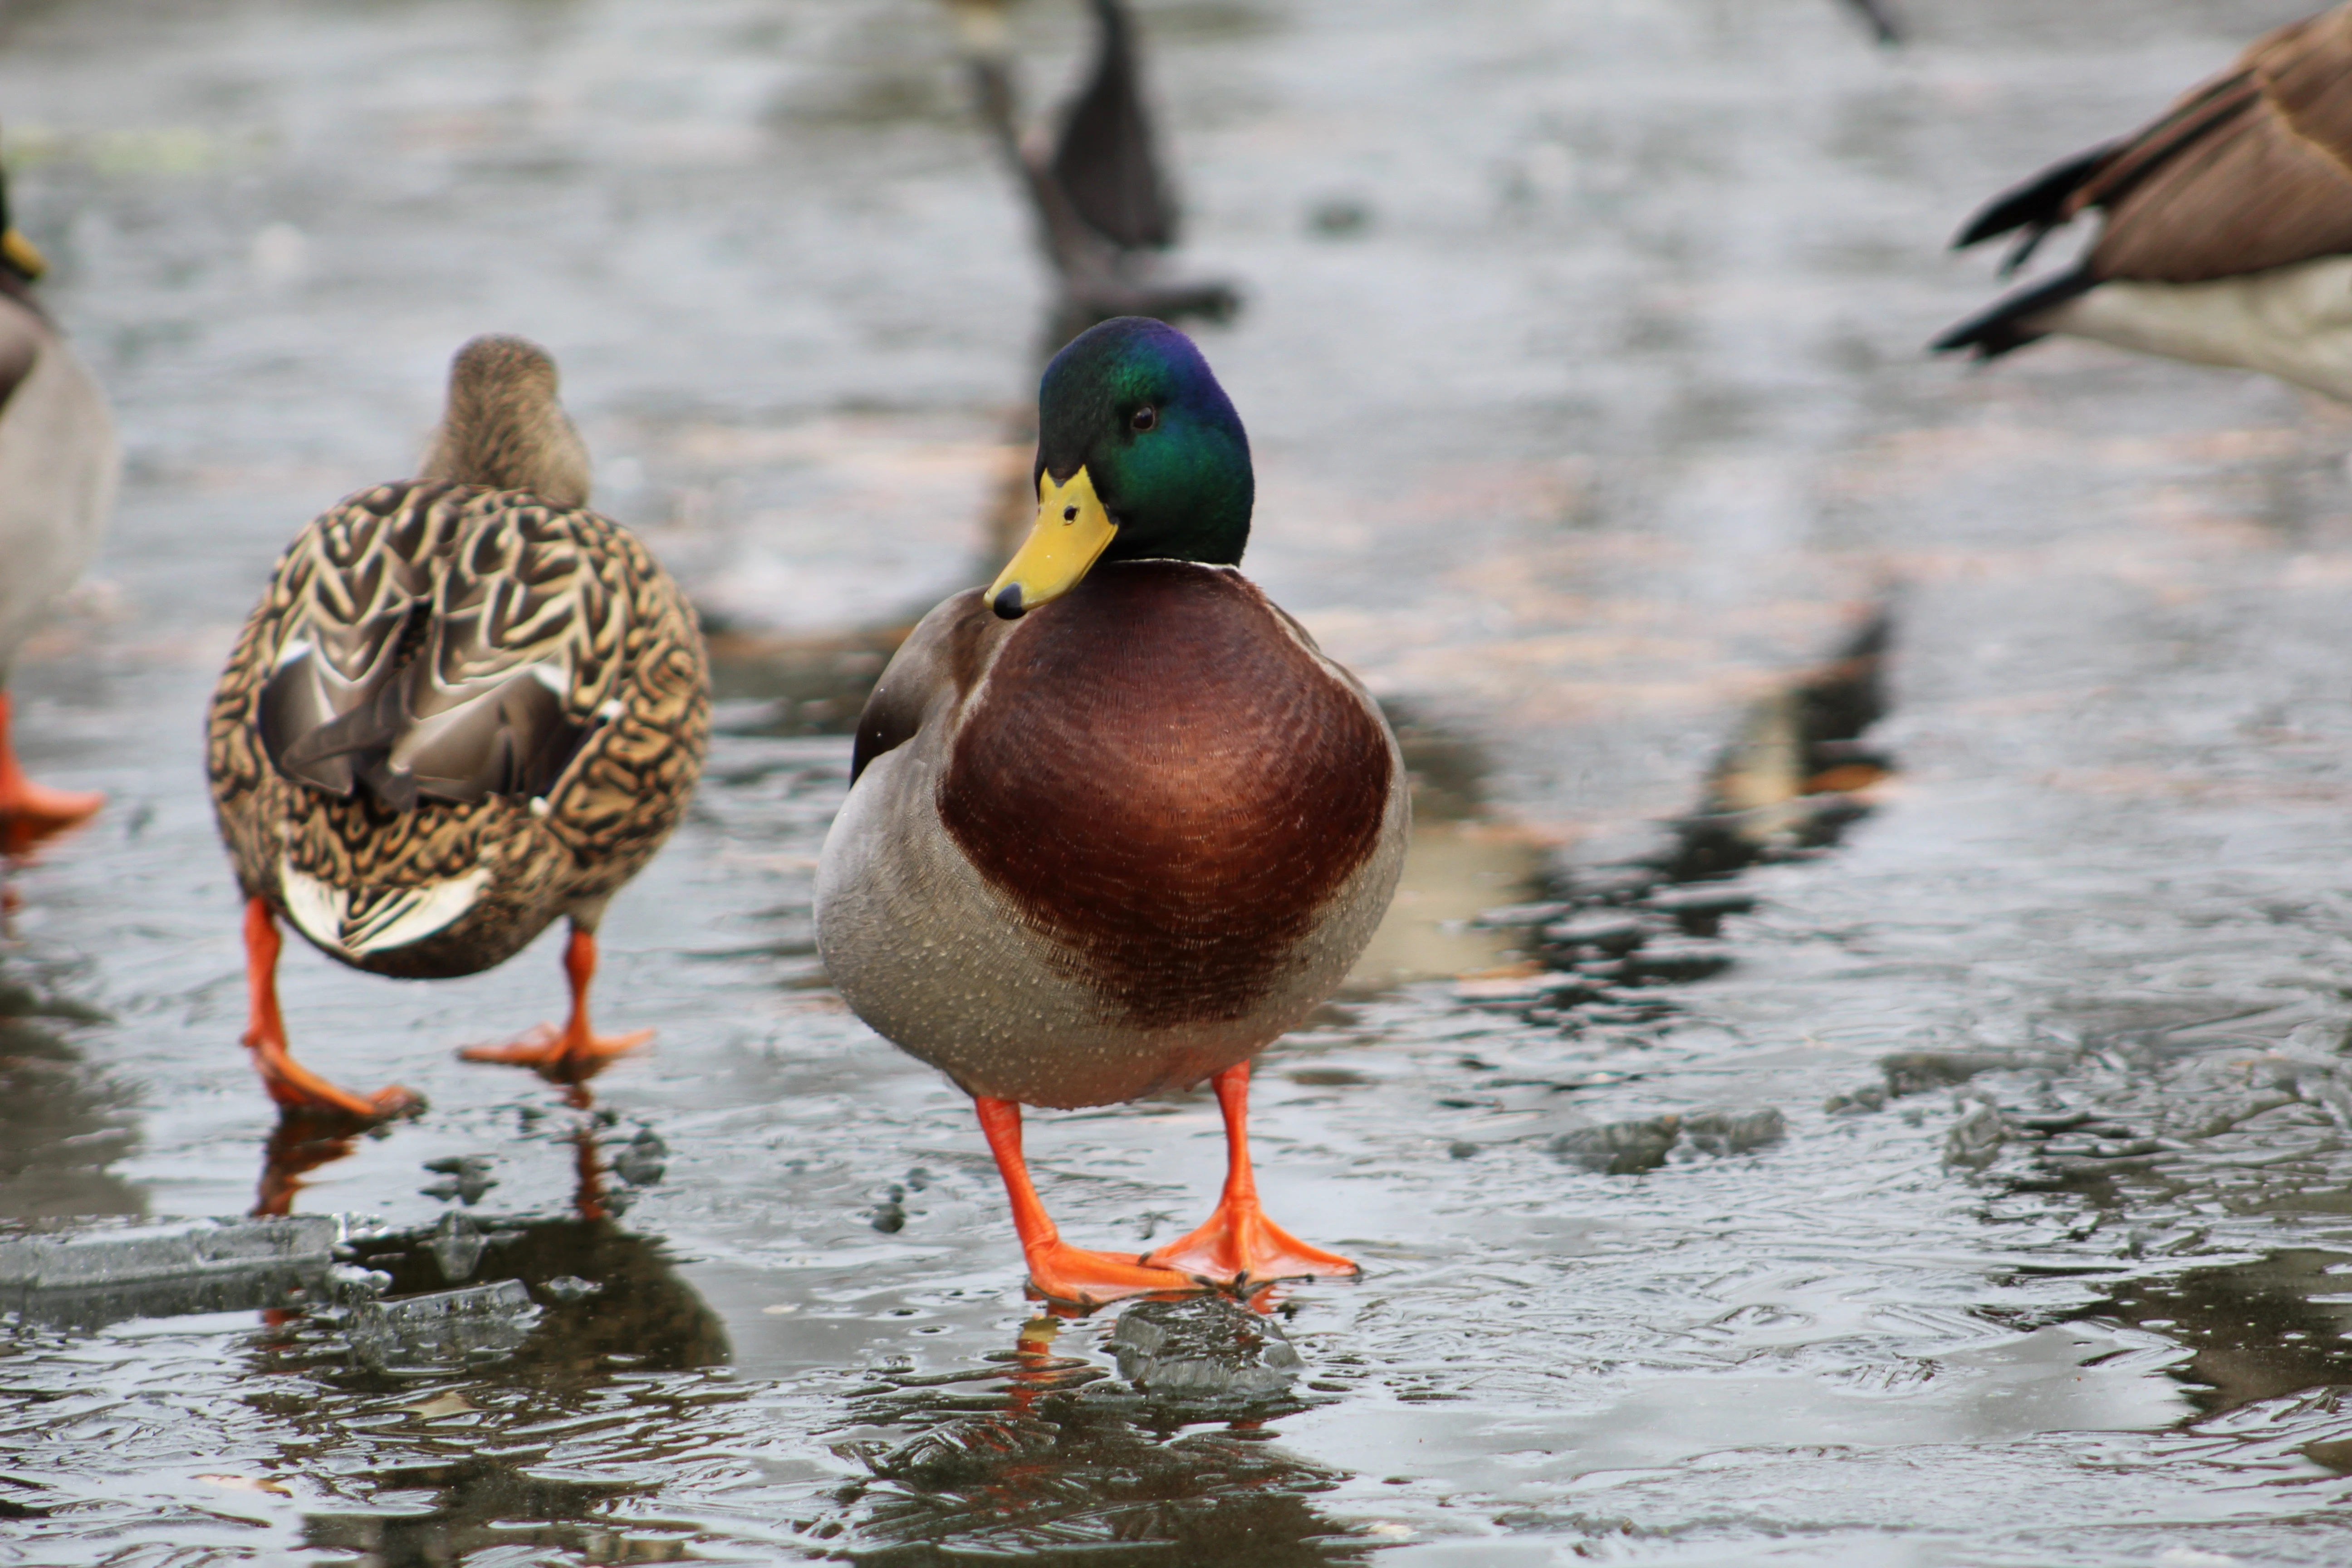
[1581, 356]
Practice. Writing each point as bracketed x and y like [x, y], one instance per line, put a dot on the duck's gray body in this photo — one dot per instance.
[57, 471]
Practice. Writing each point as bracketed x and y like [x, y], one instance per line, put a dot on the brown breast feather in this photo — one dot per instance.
[1165, 782]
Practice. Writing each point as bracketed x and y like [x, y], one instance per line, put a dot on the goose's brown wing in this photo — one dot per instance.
[2251, 168]
[2253, 172]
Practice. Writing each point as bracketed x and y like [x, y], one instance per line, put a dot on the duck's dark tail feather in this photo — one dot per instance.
[2008, 323]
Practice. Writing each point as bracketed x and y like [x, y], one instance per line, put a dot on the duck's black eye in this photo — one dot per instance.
[1145, 418]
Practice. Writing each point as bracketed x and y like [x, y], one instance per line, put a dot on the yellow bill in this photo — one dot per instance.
[1072, 532]
[21, 254]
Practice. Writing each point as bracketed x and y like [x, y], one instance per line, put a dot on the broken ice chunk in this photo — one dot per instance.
[103, 1276]
[1206, 1347]
[1620, 1148]
[469, 1179]
[445, 1332]
[457, 1246]
[1734, 1132]
[641, 1160]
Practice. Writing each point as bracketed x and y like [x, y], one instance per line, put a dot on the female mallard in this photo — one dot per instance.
[465, 706]
[57, 486]
[1115, 823]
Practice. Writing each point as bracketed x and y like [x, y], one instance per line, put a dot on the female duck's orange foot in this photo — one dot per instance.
[301, 1092]
[1241, 1246]
[1060, 1272]
[574, 1052]
[552, 1050]
[30, 813]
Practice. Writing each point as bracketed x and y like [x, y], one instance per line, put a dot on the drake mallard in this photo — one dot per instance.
[58, 471]
[2228, 237]
[465, 705]
[1115, 824]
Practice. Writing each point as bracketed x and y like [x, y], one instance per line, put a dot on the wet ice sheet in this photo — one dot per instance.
[1609, 406]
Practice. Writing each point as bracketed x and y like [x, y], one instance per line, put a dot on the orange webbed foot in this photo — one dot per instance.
[549, 1049]
[299, 1092]
[576, 1052]
[30, 813]
[1241, 1248]
[1060, 1272]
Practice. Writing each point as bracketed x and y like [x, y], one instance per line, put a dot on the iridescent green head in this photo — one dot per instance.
[1140, 457]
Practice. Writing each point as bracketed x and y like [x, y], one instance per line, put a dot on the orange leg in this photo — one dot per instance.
[1059, 1271]
[298, 1144]
[575, 1051]
[28, 812]
[297, 1090]
[1240, 1246]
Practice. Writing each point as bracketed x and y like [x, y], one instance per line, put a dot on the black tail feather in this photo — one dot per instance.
[1881, 21]
[2008, 323]
[2041, 202]
[1106, 160]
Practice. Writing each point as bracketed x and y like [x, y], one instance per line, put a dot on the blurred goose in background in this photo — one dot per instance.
[1103, 207]
[1115, 824]
[1879, 19]
[2228, 231]
[58, 471]
[466, 705]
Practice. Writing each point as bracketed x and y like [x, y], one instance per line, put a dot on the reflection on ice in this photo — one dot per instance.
[1057, 1461]
[62, 1121]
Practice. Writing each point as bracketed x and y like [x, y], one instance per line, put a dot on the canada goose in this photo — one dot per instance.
[1103, 207]
[2228, 232]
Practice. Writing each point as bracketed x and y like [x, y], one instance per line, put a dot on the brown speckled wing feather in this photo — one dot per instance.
[441, 679]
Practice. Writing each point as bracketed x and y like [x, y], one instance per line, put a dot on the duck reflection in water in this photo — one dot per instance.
[1075, 1468]
[300, 1143]
[63, 1121]
[609, 1300]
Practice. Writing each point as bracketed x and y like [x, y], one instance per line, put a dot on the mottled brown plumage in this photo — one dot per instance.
[461, 709]
[589, 603]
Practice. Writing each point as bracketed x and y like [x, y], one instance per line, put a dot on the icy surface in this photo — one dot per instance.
[1581, 364]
